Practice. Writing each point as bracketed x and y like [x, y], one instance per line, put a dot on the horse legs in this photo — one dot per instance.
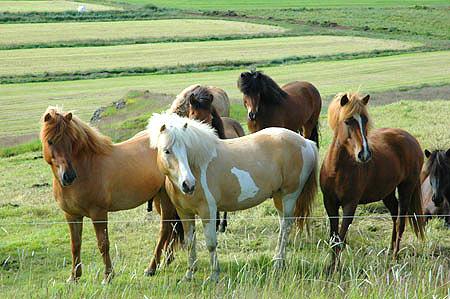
[76, 229]
[100, 221]
[391, 203]
[211, 243]
[405, 191]
[285, 207]
[332, 207]
[348, 215]
[167, 233]
[189, 231]
[223, 223]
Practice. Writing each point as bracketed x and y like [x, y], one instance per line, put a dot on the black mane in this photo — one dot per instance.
[439, 161]
[255, 82]
[201, 98]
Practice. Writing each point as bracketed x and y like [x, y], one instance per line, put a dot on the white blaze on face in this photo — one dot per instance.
[248, 186]
[183, 165]
[365, 145]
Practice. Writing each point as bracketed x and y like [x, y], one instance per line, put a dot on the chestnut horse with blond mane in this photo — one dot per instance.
[206, 174]
[295, 106]
[92, 176]
[364, 165]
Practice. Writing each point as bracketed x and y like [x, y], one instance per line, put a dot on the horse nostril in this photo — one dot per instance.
[186, 188]
[251, 115]
[360, 156]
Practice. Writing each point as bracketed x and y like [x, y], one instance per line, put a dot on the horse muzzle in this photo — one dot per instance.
[68, 178]
[187, 188]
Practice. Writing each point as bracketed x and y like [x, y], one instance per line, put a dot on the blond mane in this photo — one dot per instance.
[199, 138]
[338, 113]
[86, 138]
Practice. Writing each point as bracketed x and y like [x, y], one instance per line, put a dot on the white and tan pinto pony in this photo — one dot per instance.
[206, 174]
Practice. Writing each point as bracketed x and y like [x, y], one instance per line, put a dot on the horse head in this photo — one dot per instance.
[200, 106]
[349, 118]
[438, 168]
[58, 145]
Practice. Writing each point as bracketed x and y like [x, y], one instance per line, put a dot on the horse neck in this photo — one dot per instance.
[217, 123]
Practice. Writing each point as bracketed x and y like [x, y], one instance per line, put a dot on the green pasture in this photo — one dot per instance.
[50, 6]
[44, 33]
[254, 4]
[414, 22]
[163, 55]
[35, 253]
[23, 104]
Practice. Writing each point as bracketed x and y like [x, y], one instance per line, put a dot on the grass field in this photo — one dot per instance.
[22, 34]
[36, 256]
[49, 6]
[431, 22]
[254, 4]
[374, 74]
[160, 55]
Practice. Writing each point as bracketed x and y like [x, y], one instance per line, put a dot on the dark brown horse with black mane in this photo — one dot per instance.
[92, 176]
[295, 106]
[436, 184]
[201, 108]
[364, 165]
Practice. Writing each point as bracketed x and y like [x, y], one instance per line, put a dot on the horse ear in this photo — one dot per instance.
[427, 153]
[68, 116]
[185, 126]
[192, 99]
[47, 117]
[344, 100]
[163, 127]
[366, 99]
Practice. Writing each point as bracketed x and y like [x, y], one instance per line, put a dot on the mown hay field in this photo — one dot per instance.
[23, 34]
[163, 55]
[373, 74]
[36, 245]
[50, 6]
[255, 4]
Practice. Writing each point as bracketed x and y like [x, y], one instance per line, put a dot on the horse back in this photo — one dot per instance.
[233, 128]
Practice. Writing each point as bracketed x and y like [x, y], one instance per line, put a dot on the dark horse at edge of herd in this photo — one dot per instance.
[93, 176]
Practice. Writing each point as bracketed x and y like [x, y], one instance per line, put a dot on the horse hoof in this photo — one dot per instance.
[107, 279]
[72, 279]
[279, 264]
[149, 272]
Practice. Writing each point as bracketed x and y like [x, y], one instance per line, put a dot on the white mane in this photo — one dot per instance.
[199, 138]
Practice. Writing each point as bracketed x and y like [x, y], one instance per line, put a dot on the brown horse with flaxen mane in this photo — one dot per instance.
[295, 106]
[364, 165]
[201, 108]
[92, 176]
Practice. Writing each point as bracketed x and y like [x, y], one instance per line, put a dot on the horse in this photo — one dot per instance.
[201, 109]
[92, 176]
[295, 106]
[365, 165]
[436, 184]
[205, 174]
[221, 102]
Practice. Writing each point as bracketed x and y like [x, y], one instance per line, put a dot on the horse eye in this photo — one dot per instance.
[167, 152]
[50, 142]
[348, 121]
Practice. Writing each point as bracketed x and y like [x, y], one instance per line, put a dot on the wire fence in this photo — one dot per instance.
[143, 220]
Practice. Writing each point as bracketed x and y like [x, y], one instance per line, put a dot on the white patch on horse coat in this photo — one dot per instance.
[185, 171]
[365, 144]
[309, 155]
[208, 195]
[248, 186]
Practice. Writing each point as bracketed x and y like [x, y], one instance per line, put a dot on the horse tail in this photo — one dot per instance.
[315, 134]
[417, 221]
[304, 205]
